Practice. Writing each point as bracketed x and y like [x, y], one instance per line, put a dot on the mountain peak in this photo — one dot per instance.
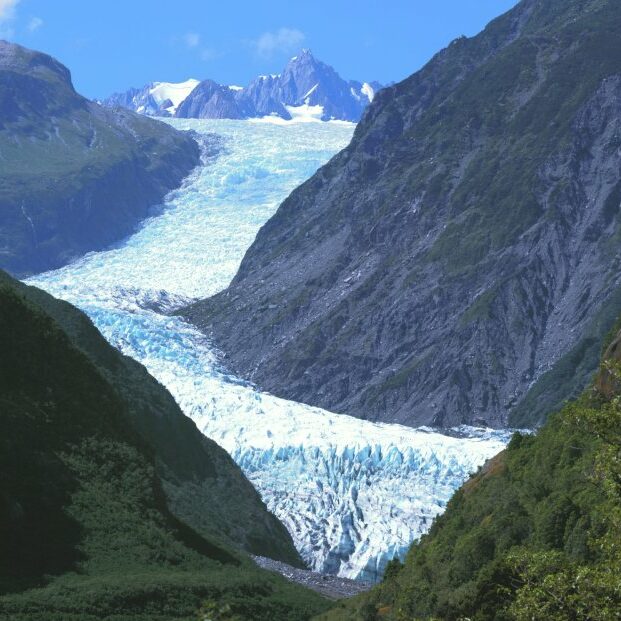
[305, 81]
[305, 54]
[18, 59]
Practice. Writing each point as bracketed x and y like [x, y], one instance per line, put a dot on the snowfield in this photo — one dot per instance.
[174, 92]
[352, 493]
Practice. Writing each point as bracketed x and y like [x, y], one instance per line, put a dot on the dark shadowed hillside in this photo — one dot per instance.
[196, 474]
[112, 504]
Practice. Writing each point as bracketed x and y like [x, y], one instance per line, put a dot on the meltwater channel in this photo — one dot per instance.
[353, 494]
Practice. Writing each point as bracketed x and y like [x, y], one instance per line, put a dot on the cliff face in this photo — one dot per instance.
[306, 81]
[463, 247]
[76, 176]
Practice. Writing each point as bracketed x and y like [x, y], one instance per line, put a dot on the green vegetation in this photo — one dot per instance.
[498, 196]
[533, 535]
[197, 475]
[481, 307]
[76, 176]
[87, 530]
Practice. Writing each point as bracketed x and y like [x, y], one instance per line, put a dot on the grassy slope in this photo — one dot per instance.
[86, 528]
[76, 176]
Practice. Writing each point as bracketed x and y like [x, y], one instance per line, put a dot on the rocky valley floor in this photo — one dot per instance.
[329, 586]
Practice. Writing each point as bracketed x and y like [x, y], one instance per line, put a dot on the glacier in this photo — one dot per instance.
[353, 494]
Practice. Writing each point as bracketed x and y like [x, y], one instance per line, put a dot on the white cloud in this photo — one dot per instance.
[7, 9]
[284, 40]
[34, 24]
[192, 39]
[208, 54]
[194, 42]
[7, 14]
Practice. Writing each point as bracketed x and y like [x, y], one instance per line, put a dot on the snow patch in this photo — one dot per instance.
[305, 113]
[368, 91]
[310, 92]
[301, 114]
[175, 92]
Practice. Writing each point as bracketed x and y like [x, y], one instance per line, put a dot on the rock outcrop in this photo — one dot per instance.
[210, 100]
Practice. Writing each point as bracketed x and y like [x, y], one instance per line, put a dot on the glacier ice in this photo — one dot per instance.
[352, 493]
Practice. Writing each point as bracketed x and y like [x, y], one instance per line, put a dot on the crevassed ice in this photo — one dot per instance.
[352, 493]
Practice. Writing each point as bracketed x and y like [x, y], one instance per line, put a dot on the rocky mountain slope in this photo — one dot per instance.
[533, 535]
[458, 261]
[112, 503]
[305, 82]
[76, 176]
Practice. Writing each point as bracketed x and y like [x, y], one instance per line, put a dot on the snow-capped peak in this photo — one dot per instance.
[175, 92]
[304, 54]
[266, 96]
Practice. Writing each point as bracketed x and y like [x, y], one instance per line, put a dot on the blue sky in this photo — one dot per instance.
[111, 45]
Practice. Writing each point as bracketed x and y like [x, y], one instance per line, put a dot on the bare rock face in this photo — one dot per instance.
[210, 100]
[75, 176]
[459, 260]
